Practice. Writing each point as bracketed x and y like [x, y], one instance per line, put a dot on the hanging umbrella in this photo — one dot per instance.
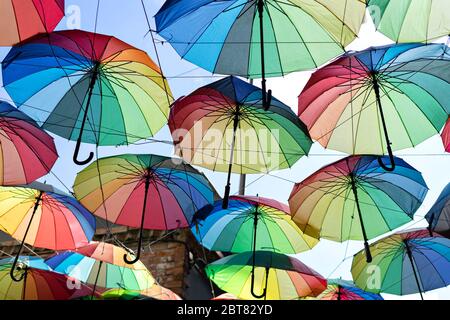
[101, 265]
[26, 152]
[411, 20]
[439, 215]
[160, 293]
[143, 191]
[87, 87]
[122, 294]
[37, 282]
[44, 217]
[359, 102]
[346, 290]
[405, 263]
[355, 199]
[446, 136]
[250, 223]
[277, 276]
[259, 38]
[224, 127]
[22, 19]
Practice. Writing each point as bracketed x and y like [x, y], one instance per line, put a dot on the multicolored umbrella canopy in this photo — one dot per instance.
[259, 38]
[38, 282]
[144, 191]
[26, 152]
[411, 20]
[43, 217]
[405, 263]
[87, 87]
[250, 219]
[446, 136]
[438, 216]
[355, 199]
[379, 100]
[101, 264]
[224, 127]
[277, 276]
[225, 37]
[22, 19]
[338, 289]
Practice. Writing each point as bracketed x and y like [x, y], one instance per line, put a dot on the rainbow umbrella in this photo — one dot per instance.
[101, 264]
[405, 263]
[438, 216]
[44, 217]
[355, 199]
[359, 102]
[26, 152]
[411, 20]
[22, 19]
[250, 223]
[87, 87]
[37, 282]
[259, 38]
[342, 290]
[143, 191]
[224, 127]
[277, 276]
[446, 136]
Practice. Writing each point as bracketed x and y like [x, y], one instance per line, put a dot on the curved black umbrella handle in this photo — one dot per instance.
[252, 289]
[391, 166]
[13, 268]
[77, 152]
[138, 255]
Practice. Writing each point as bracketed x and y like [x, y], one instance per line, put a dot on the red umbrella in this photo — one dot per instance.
[26, 151]
[446, 136]
[22, 19]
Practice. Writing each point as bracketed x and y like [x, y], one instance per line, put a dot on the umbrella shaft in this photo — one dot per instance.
[96, 280]
[263, 62]
[411, 259]
[376, 87]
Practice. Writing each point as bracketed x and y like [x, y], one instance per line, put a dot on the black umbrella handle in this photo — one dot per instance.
[16, 259]
[252, 289]
[368, 253]
[391, 167]
[141, 231]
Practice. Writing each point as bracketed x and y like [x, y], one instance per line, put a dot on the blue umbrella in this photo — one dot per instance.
[439, 215]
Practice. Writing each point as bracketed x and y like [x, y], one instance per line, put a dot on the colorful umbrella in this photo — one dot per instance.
[277, 276]
[356, 103]
[446, 136]
[411, 20]
[26, 152]
[101, 264]
[160, 293]
[122, 294]
[44, 217]
[346, 290]
[87, 87]
[22, 19]
[144, 191]
[224, 127]
[37, 282]
[355, 199]
[405, 263]
[439, 215]
[250, 223]
[259, 38]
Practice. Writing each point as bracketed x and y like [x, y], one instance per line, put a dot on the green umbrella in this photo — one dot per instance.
[411, 20]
